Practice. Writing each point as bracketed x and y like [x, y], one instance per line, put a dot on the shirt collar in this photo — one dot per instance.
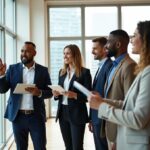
[118, 59]
[101, 62]
[33, 67]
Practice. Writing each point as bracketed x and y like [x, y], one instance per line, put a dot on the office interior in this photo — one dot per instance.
[52, 24]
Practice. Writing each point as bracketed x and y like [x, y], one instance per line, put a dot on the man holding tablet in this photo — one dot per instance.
[26, 111]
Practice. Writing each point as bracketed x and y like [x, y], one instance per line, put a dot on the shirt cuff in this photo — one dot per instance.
[2, 76]
[40, 94]
[102, 111]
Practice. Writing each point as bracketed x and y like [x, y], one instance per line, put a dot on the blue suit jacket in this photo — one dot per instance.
[98, 85]
[13, 76]
[77, 108]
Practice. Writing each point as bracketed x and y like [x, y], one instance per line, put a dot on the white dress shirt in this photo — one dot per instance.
[28, 78]
[66, 85]
[2, 76]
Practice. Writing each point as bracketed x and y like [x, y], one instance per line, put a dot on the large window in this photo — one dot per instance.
[100, 20]
[8, 55]
[62, 32]
[80, 24]
[96, 24]
[1, 11]
[60, 21]
[0, 94]
[140, 14]
[9, 14]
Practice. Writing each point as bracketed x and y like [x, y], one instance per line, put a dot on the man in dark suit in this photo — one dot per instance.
[27, 111]
[98, 85]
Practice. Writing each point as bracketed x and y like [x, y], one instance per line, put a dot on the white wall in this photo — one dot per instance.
[38, 28]
[23, 23]
[31, 26]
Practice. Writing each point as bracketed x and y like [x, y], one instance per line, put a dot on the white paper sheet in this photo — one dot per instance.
[20, 88]
[81, 88]
[58, 88]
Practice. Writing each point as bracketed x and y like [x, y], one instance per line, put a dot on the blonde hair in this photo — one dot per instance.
[144, 31]
[77, 60]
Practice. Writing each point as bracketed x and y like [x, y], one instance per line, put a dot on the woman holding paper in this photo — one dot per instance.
[72, 110]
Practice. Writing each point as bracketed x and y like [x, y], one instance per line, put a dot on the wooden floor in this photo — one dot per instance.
[54, 138]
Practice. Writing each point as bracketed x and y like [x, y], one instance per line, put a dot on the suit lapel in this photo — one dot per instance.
[96, 77]
[118, 67]
[20, 73]
[72, 80]
[100, 73]
[62, 79]
[37, 72]
[130, 89]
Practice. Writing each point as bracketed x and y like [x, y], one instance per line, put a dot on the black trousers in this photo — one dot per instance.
[100, 142]
[25, 124]
[72, 134]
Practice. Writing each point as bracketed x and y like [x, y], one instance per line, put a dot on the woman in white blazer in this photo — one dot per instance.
[133, 114]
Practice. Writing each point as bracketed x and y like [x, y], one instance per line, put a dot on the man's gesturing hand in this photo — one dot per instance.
[2, 68]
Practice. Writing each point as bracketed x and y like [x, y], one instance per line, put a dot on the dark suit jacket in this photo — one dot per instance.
[77, 108]
[14, 76]
[98, 85]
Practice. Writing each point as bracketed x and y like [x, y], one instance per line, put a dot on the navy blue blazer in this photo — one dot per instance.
[13, 76]
[98, 85]
[77, 108]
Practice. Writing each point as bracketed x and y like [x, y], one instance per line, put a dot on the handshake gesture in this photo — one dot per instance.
[2, 68]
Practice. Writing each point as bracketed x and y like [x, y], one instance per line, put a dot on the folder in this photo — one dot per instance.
[58, 88]
[20, 88]
[81, 88]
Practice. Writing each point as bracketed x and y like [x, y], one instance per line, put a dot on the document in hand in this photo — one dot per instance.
[57, 88]
[20, 88]
[81, 88]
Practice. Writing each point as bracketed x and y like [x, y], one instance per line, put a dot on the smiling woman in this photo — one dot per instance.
[136, 42]
[67, 56]
[72, 110]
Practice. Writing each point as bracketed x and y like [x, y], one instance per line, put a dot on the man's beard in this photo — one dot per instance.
[112, 53]
[25, 61]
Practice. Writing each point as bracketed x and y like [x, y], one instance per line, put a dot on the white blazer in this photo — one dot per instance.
[133, 131]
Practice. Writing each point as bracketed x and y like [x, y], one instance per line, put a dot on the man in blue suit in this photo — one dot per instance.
[27, 111]
[105, 64]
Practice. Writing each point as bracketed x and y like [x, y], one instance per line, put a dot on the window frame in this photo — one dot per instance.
[83, 37]
[6, 30]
